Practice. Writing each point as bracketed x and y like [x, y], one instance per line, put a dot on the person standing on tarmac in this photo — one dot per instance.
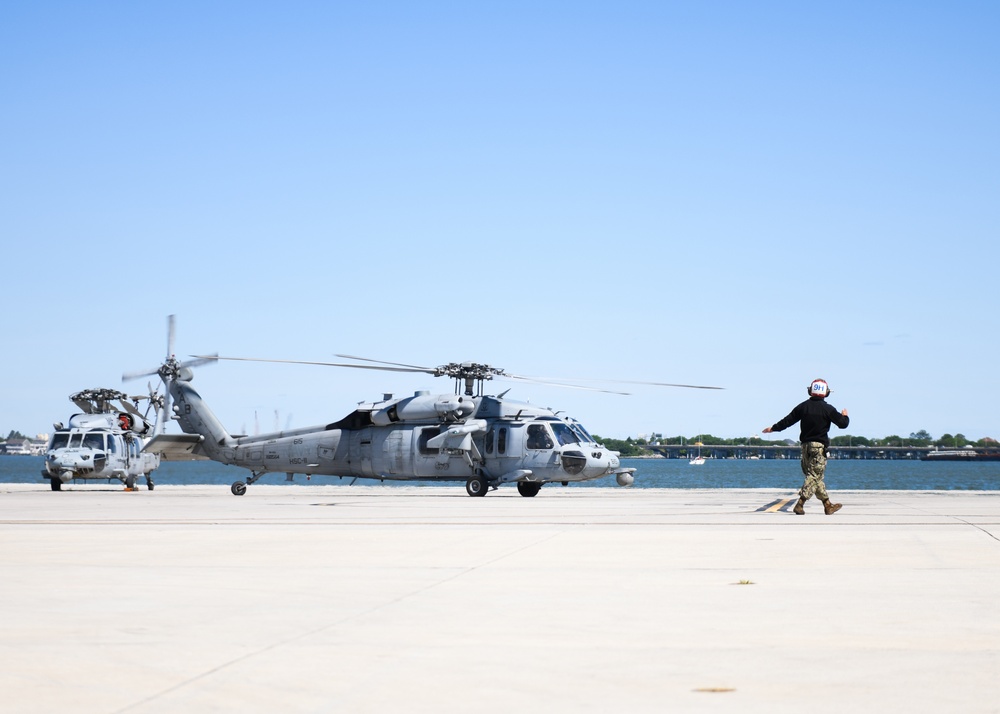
[815, 415]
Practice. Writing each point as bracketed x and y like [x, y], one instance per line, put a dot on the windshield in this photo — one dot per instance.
[564, 434]
[93, 440]
[584, 435]
[60, 440]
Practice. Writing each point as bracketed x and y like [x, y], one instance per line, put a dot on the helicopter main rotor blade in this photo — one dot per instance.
[458, 371]
[130, 408]
[380, 361]
[561, 384]
[632, 381]
[663, 384]
[548, 380]
[321, 364]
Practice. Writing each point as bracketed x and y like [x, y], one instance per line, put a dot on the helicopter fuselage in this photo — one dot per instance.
[96, 446]
[403, 452]
[483, 440]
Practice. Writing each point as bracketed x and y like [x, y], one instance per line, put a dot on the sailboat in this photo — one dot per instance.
[698, 460]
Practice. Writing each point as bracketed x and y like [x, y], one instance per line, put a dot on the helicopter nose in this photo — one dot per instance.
[588, 463]
[75, 461]
[58, 463]
[605, 461]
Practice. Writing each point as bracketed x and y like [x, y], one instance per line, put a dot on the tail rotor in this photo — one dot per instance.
[172, 369]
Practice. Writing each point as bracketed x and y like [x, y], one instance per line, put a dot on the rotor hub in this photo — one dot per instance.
[469, 375]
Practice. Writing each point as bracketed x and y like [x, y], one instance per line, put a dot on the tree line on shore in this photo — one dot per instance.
[637, 446]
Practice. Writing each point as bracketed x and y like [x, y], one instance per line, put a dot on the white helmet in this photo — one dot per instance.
[819, 388]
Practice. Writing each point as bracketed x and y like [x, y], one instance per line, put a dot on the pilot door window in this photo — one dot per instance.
[538, 437]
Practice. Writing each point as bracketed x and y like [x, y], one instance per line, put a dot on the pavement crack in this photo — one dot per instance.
[977, 527]
[330, 625]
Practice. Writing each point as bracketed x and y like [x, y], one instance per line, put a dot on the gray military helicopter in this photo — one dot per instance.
[469, 436]
[105, 441]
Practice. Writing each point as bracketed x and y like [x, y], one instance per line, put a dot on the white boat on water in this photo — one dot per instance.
[698, 460]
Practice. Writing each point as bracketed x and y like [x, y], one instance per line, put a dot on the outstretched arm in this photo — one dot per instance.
[782, 424]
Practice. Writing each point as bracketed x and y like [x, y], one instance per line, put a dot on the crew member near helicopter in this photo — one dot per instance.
[815, 415]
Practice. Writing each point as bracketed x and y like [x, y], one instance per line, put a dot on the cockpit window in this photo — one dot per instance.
[585, 437]
[564, 434]
[538, 437]
[93, 440]
[60, 440]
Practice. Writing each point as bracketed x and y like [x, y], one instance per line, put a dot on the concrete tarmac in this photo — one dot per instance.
[307, 598]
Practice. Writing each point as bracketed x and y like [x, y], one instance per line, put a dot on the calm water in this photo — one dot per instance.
[652, 473]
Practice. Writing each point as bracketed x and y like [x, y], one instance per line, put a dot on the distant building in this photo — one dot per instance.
[17, 447]
[25, 447]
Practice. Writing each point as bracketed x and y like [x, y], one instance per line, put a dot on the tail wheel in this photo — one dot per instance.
[528, 489]
[238, 488]
[476, 486]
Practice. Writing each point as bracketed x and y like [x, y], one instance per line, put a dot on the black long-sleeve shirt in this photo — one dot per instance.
[816, 416]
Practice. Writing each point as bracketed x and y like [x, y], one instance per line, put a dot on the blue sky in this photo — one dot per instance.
[747, 195]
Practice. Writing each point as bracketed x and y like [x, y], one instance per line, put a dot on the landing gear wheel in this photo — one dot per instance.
[149, 483]
[55, 483]
[528, 489]
[239, 488]
[130, 483]
[476, 486]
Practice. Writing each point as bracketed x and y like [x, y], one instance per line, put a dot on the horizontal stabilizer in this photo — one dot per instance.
[177, 447]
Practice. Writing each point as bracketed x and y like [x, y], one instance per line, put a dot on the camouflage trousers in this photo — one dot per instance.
[814, 467]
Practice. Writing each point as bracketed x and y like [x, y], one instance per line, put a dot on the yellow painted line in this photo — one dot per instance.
[778, 506]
